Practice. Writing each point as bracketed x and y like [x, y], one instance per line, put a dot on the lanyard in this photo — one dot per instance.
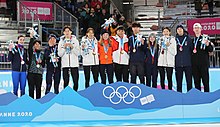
[134, 42]
[54, 49]
[195, 42]
[106, 48]
[122, 43]
[21, 53]
[182, 41]
[152, 51]
[37, 57]
[92, 43]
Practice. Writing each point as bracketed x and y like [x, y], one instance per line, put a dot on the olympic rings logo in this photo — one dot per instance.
[121, 96]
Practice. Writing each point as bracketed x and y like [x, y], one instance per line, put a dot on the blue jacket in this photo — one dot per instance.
[16, 59]
[183, 58]
[139, 55]
[149, 59]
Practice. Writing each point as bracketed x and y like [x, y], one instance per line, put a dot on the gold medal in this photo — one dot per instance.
[122, 52]
[134, 50]
[106, 56]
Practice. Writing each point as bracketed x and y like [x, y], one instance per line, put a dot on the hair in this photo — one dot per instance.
[20, 36]
[66, 27]
[148, 40]
[90, 29]
[101, 41]
[166, 28]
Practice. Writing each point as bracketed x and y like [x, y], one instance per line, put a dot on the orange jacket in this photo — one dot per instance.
[105, 58]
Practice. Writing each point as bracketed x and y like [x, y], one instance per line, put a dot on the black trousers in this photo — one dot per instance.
[106, 68]
[75, 76]
[54, 74]
[121, 72]
[34, 82]
[201, 73]
[169, 71]
[151, 73]
[95, 73]
[179, 77]
[137, 69]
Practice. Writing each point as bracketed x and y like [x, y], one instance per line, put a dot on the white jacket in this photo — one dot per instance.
[69, 59]
[87, 51]
[168, 58]
[118, 57]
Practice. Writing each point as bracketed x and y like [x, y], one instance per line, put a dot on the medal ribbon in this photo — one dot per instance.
[181, 44]
[21, 52]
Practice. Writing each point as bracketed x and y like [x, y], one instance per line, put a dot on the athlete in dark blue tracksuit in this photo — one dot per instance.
[151, 61]
[18, 58]
[183, 58]
[53, 65]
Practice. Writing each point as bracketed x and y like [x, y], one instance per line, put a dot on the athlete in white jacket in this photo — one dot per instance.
[89, 52]
[166, 59]
[120, 55]
[69, 50]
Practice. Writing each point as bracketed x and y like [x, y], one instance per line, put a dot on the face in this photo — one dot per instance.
[21, 40]
[136, 30]
[37, 46]
[67, 32]
[90, 34]
[197, 30]
[166, 32]
[105, 36]
[152, 38]
[52, 41]
[180, 31]
[120, 33]
[92, 10]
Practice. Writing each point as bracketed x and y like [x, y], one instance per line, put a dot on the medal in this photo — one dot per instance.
[194, 50]
[38, 65]
[106, 56]
[134, 50]
[181, 48]
[122, 52]
[22, 62]
[162, 52]
[181, 44]
[195, 44]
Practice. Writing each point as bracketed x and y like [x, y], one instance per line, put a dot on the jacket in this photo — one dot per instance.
[167, 53]
[69, 59]
[105, 57]
[140, 49]
[89, 51]
[201, 57]
[120, 53]
[16, 59]
[183, 58]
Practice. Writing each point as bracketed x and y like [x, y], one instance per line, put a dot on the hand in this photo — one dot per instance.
[39, 61]
[66, 45]
[70, 45]
[207, 42]
[11, 46]
[168, 43]
[32, 34]
[142, 41]
[83, 46]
